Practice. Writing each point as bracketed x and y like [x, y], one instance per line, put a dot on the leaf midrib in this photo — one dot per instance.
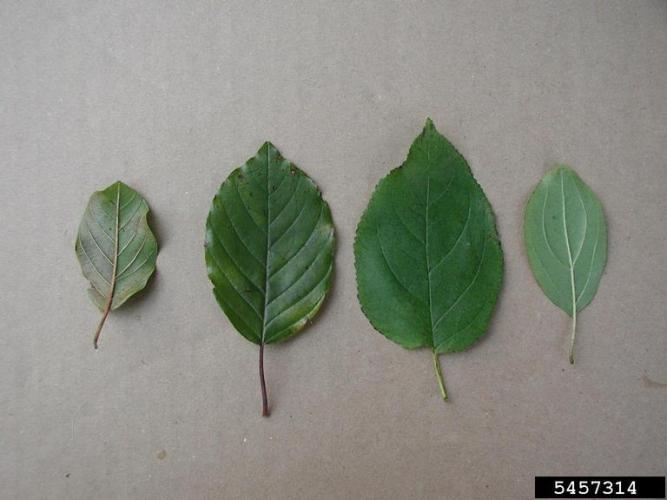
[115, 249]
[268, 244]
[567, 245]
[428, 260]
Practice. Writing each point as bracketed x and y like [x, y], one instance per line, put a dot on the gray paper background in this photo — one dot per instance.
[171, 96]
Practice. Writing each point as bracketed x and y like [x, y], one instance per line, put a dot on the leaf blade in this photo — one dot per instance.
[269, 248]
[111, 222]
[589, 252]
[427, 255]
[564, 218]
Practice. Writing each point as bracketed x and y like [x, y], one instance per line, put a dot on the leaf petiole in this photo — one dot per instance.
[107, 309]
[438, 374]
[574, 333]
[265, 401]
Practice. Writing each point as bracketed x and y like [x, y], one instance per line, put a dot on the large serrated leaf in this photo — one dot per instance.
[269, 250]
[427, 255]
[115, 247]
[566, 241]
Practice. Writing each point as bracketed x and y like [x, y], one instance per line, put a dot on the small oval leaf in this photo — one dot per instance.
[269, 249]
[427, 255]
[565, 235]
[115, 247]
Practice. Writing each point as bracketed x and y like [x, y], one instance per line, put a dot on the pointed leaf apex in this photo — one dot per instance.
[267, 146]
[561, 167]
[112, 189]
[429, 125]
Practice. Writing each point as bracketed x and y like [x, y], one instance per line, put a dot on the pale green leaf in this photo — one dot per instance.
[566, 241]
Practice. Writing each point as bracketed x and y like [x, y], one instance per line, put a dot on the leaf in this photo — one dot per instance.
[269, 250]
[427, 255]
[115, 247]
[566, 241]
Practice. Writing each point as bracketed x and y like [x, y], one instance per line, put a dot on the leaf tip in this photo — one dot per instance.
[429, 124]
[267, 146]
[562, 167]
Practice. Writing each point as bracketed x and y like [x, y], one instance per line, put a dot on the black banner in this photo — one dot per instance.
[600, 487]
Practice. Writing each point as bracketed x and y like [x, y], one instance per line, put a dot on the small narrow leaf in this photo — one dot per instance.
[115, 247]
[428, 259]
[269, 250]
[566, 241]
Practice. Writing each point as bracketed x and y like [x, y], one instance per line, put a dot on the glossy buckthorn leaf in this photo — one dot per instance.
[566, 241]
[115, 247]
[269, 250]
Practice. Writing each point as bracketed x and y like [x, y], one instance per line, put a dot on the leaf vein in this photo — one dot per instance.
[479, 268]
[296, 217]
[590, 267]
[238, 234]
[131, 217]
[141, 247]
[583, 205]
[313, 232]
[407, 228]
[247, 210]
[544, 231]
[391, 271]
[289, 200]
[97, 244]
[93, 264]
[127, 203]
[234, 287]
[233, 261]
[295, 282]
[297, 302]
[458, 239]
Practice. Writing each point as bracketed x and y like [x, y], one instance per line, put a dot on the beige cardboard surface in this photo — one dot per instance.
[171, 96]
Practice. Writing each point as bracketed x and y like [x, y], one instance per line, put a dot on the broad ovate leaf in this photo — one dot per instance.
[269, 250]
[565, 235]
[115, 247]
[427, 254]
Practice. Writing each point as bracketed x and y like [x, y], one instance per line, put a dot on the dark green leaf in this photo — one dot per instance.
[566, 241]
[269, 249]
[115, 247]
[428, 259]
